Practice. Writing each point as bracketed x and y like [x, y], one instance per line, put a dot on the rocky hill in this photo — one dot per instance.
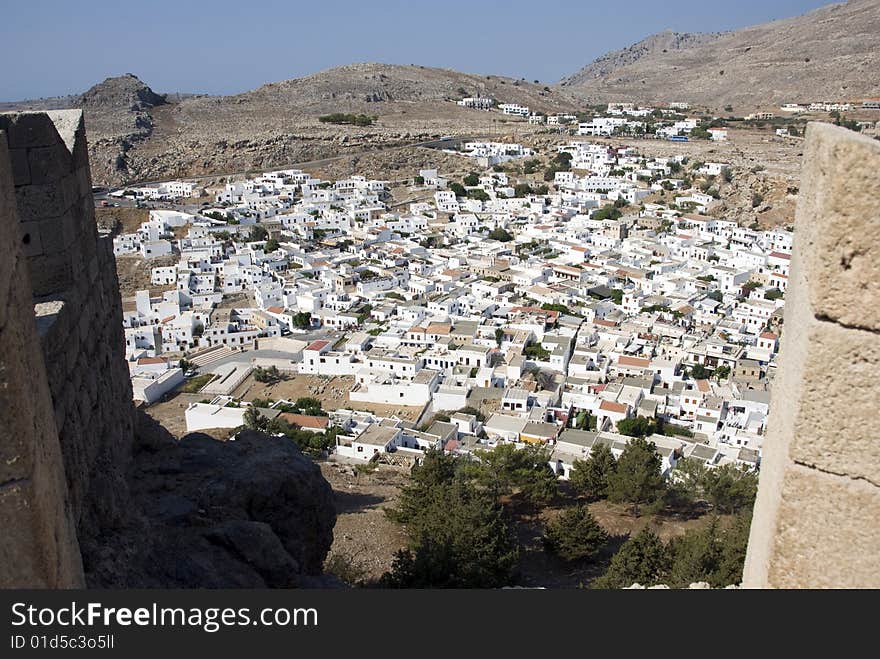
[828, 54]
[136, 134]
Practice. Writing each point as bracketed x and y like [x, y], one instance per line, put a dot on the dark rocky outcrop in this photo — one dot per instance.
[253, 512]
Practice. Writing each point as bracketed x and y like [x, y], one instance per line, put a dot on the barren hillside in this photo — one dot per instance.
[135, 134]
[831, 53]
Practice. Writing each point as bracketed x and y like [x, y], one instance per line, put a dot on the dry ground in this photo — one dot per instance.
[364, 539]
[331, 391]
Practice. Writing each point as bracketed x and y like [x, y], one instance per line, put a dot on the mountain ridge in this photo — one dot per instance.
[829, 53]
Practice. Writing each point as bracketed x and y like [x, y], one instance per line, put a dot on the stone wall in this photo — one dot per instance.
[78, 311]
[39, 545]
[816, 516]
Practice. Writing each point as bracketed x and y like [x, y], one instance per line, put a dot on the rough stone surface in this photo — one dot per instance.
[254, 512]
[79, 502]
[827, 533]
[838, 222]
[38, 545]
[814, 523]
[835, 427]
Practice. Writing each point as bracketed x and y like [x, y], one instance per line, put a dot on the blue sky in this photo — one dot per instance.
[224, 47]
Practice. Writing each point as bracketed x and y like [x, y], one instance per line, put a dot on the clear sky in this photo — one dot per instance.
[57, 47]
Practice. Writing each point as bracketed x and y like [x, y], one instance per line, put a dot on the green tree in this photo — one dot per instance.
[637, 479]
[642, 559]
[500, 234]
[714, 554]
[526, 471]
[302, 320]
[607, 212]
[479, 194]
[590, 477]
[459, 535]
[253, 419]
[458, 189]
[471, 179]
[730, 488]
[271, 245]
[258, 233]
[637, 427]
[575, 535]
[499, 336]
[522, 190]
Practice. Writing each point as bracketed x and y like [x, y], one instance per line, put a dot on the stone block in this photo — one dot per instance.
[48, 164]
[836, 408]
[69, 126]
[21, 171]
[52, 235]
[827, 534]
[50, 274]
[31, 238]
[838, 225]
[38, 202]
[29, 129]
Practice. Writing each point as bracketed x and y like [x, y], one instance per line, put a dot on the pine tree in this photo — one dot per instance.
[575, 535]
[590, 477]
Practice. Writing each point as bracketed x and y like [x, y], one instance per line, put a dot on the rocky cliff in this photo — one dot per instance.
[85, 497]
[250, 513]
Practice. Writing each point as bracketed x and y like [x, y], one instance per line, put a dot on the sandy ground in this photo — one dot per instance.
[331, 391]
[364, 539]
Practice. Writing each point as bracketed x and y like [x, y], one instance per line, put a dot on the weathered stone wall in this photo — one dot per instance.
[38, 545]
[816, 516]
[78, 312]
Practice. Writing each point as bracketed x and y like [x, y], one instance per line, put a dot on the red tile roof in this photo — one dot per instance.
[610, 406]
[317, 345]
[305, 421]
[641, 362]
[151, 360]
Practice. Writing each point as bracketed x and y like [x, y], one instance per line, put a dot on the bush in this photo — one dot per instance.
[642, 559]
[575, 535]
[537, 352]
[500, 234]
[349, 119]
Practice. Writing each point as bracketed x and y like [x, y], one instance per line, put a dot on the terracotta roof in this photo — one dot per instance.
[703, 386]
[780, 255]
[275, 309]
[151, 360]
[604, 323]
[437, 328]
[305, 421]
[641, 362]
[769, 335]
[317, 345]
[610, 406]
